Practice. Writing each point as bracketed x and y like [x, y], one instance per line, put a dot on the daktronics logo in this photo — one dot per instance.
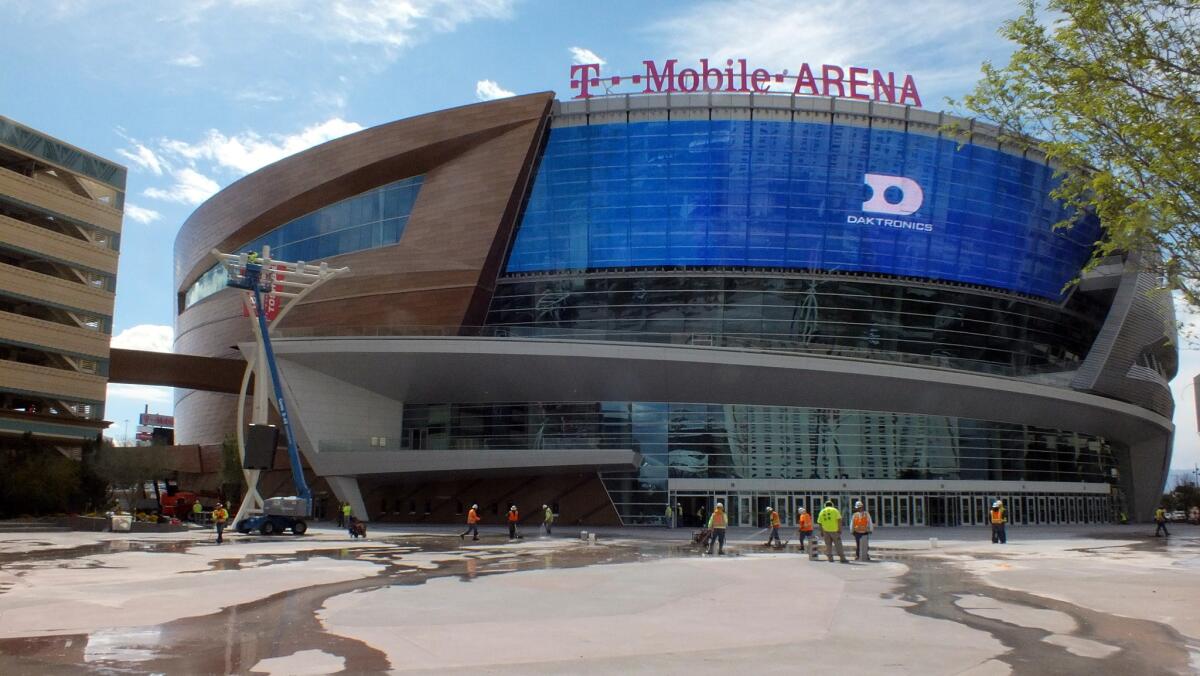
[911, 195]
[906, 198]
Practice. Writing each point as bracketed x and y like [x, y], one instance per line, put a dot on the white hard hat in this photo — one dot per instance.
[721, 505]
[512, 508]
[996, 503]
[474, 506]
[545, 507]
[769, 509]
[803, 510]
[858, 503]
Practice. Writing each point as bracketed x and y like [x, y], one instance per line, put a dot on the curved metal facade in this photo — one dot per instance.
[830, 234]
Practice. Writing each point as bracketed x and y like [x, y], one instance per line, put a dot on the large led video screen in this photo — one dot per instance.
[796, 196]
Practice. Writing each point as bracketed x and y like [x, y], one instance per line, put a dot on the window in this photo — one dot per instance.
[370, 220]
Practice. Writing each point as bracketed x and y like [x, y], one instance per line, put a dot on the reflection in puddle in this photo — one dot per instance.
[241, 636]
[132, 644]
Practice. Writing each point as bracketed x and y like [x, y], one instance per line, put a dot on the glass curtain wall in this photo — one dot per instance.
[728, 441]
[947, 327]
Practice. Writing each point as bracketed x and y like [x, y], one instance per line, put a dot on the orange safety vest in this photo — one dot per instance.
[717, 519]
[997, 517]
[806, 522]
[513, 515]
[472, 517]
[774, 519]
[859, 522]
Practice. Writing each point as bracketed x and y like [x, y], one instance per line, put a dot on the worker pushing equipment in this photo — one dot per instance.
[775, 523]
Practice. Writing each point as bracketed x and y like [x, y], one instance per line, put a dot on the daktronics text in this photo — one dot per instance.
[853, 82]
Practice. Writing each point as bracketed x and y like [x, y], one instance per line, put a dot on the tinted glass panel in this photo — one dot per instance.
[372, 219]
[740, 193]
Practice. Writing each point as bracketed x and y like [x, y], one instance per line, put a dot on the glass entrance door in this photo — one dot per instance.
[745, 510]
[784, 507]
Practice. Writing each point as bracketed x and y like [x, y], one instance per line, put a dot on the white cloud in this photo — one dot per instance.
[581, 56]
[190, 164]
[141, 214]
[143, 157]
[187, 61]
[247, 151]
[191, 187]
[149, 394]
[395, 24]
[258, 96]
[149, 337]
[937, 38]
[489, 90]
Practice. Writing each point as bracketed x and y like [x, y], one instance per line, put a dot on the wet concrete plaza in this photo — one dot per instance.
[419, 600]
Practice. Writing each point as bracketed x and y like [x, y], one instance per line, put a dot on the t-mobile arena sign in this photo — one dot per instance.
[852, 82]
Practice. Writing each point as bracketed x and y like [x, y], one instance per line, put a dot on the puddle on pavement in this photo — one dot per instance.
[1097, 642]
[237, 638]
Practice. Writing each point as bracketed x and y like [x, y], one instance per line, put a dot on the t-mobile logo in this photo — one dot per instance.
[910, 199]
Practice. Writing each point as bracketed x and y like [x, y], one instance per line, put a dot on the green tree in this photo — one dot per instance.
[128, 469]
[37, 478]
[1182, 498]
[1110, 91]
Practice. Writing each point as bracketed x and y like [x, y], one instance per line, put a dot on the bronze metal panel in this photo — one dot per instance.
[140, 367]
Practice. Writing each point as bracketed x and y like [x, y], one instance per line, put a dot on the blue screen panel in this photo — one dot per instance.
[739, 193]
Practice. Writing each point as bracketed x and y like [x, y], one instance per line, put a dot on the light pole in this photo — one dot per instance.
[125, 442]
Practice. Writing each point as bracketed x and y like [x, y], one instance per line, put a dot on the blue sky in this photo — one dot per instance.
[193, 95]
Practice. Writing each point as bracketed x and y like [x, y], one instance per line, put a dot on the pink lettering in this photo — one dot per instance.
[760, 76]
[885, 87]
[805, 79]
[909, 91]
[826, 72]
[710, 72]
[655, 81]
[586, 72]
[853, 82]
[693, 75]
[858, 79]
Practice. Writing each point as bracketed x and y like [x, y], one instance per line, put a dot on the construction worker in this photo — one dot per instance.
[670, 516]
[830, 521]
[220, 516]
[718, 522]
[804, 522]
[549, 518]
[345, 520]
[472, 524]
[775, 523]
[197, 512]
[700, 513]
[1160, 519]
[862, 527]
[513, 517]
[999, 518]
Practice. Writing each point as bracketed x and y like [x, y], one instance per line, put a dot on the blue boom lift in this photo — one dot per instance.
[284, 513]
